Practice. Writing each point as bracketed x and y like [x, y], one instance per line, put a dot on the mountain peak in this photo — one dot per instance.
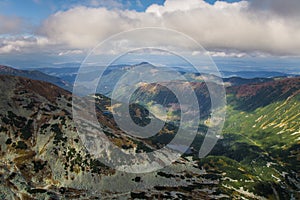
[144, 63]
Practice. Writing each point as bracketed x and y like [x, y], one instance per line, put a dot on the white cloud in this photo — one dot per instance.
[22, 44]
[70, 52]
[84, 27]
[176, 5]
[226, 54]
[219, 26]
[225, 29]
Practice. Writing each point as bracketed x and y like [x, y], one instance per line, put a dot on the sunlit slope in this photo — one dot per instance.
[268, 116]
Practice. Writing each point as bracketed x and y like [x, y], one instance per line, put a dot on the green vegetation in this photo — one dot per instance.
[275, 129]
[21, 145]
[13, 119]
[39, 165]
[59, 135]
[27, 130]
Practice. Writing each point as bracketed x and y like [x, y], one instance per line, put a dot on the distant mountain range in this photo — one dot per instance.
[254, 74]
[69, 73]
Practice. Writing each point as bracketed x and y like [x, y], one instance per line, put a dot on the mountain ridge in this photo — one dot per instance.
[35, 75]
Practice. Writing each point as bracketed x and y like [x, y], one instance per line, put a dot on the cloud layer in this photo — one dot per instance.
[241, 28]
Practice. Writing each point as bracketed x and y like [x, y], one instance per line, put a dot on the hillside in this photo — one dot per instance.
[41, 153]
[267, 115]
[35, 75]
[249, 97]
[261, 133]
[42, 156]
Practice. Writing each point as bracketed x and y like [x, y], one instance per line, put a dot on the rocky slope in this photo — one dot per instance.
[42, 156]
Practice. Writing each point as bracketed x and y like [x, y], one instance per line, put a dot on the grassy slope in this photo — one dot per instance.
[260, 149]
[274, 128]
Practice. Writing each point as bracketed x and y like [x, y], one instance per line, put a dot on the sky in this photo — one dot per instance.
[258, 34]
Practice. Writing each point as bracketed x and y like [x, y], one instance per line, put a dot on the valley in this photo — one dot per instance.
[256, 157]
